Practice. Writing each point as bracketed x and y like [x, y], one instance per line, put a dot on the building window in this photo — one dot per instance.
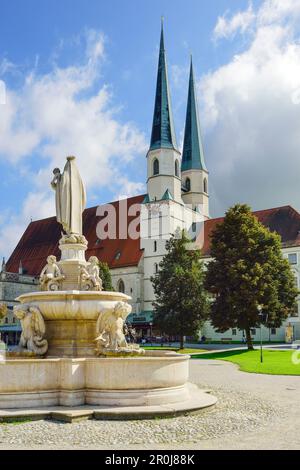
[234, 332]
[253, 331]
[155, 268]
[118, 255]
[155, 246]
[188, 184]
[121, 286]
[156, 167]
[205, 185]
[273, 331]
[296, 281]
[176, 168]
[292, 257]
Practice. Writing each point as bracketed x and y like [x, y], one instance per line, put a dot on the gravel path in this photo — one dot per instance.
[254, 411]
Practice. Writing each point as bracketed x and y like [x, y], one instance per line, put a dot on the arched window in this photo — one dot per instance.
[188, 184]
[205, 185]
[176, 168]
[121, 286]
[156, 167]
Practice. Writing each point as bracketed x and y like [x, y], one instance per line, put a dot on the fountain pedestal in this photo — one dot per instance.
[70, 318]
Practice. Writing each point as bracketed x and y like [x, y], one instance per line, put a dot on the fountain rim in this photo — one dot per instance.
[72, 295]
[176, 357]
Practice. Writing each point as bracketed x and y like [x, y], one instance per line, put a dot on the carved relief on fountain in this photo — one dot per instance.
[33, 329]
[51, 276]
[90, 275]
[3, 310]
[111, 339]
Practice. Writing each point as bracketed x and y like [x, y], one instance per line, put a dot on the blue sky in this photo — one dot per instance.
[131, 28]
[80, 79]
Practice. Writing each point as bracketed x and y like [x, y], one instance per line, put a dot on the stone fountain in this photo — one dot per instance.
[73, 350]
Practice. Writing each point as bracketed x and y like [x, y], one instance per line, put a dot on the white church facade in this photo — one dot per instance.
[177, 197]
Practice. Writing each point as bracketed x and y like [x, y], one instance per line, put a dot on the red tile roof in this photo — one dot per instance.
[41, 237]
[283, 220]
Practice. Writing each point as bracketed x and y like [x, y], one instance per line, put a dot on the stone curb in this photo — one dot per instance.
[200, 400]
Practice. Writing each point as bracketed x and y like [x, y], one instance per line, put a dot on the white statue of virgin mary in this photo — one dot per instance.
[70, 197]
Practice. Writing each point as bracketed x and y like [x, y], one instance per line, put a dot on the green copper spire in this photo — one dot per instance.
[146, 199]
[167, 196]
[163, 133]
[192, 154]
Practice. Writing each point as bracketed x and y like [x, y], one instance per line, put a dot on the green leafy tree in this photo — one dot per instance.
[248, 272]
[105, 276]
[181, 303]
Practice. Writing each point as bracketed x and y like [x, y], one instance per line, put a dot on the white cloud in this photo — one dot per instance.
[278, 10]
[251, 115]
[129, 189]
[238, 23]
[65, 112]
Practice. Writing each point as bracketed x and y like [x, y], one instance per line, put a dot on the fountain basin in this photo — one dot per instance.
[155, 379]
[70, 318]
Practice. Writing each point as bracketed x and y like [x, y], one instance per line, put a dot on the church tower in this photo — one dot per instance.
[163, 158]
[193, 169]
[163, 211]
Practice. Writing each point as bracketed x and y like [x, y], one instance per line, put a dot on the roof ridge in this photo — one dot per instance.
[261, 210]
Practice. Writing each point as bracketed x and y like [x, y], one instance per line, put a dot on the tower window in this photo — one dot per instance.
[155, 246]
[156, 167]
[121, 286]
[176, 168]
[205, 185]
[188, 184]
[156, 268]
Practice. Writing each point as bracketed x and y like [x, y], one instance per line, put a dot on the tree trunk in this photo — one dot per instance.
[181, 341]
[249, 339]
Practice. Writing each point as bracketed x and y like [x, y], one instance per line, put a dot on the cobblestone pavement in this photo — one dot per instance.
[254, 411]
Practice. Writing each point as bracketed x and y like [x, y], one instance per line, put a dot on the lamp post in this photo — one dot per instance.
[263, 318]
[150, 324]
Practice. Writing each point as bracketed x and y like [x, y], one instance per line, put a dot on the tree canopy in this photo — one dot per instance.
[181, 303]
[105, 276]
[248, 272]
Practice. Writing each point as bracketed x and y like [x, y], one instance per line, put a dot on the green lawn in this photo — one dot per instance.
[275, 362]
[166, 348]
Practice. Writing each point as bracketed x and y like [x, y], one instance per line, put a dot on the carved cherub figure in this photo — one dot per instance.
[51, 275]
[90, 275]
[33, 329]
[110, 328]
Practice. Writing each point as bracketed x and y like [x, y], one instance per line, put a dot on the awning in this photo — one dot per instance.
[4, 328]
